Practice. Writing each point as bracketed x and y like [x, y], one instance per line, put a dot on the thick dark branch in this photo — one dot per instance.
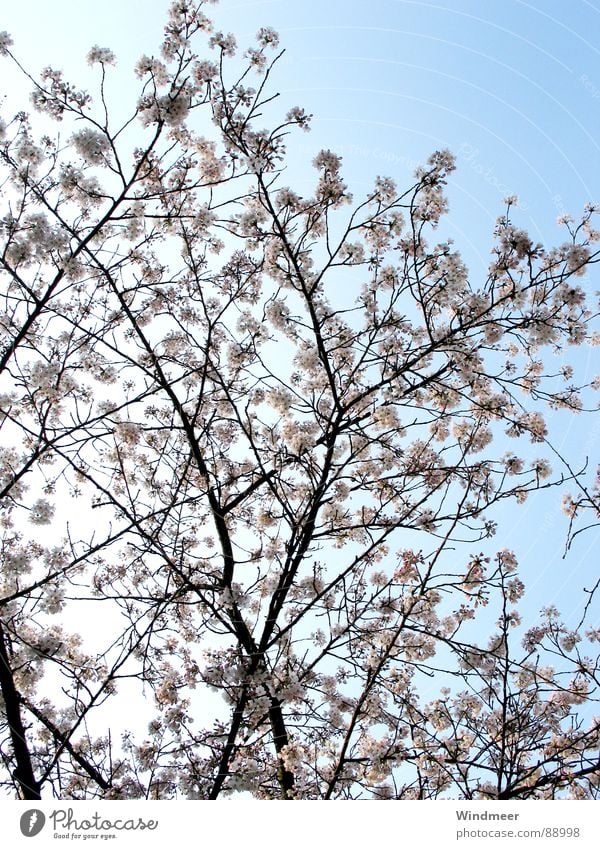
[23, 773]
[63, 738]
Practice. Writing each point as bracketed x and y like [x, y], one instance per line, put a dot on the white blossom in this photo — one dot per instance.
[5, 42]
[92, 145]
[101, 56]
[42, 512]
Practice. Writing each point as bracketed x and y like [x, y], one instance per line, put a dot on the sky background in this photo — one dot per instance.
[511, 87]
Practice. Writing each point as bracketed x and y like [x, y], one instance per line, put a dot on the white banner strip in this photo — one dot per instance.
[267, 825]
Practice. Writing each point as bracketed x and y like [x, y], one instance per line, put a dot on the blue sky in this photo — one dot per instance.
[512, 87]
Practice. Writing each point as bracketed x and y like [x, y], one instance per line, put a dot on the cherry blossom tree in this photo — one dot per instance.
[253, 445]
